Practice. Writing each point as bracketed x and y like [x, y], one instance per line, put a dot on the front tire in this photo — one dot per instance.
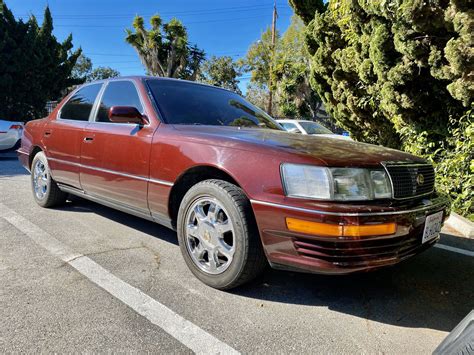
[45, 190]
[218, 235]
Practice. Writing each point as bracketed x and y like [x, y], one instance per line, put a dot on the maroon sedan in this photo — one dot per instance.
[239, 190]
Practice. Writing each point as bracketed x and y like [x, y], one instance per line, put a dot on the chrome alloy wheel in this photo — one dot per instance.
[210, 235]
[40, 179]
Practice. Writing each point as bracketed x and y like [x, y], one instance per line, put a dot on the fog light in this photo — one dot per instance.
[335, 230]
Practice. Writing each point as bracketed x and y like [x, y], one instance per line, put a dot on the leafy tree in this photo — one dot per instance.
[290, 72]
[83, 68]
[164, 49]
[101, 73]
[295, 96]
[258, 96]
[389, 71]
[398, 73]
[258, 59]
[34, 66]
[220, 71]
[193, 63]
[306, 9]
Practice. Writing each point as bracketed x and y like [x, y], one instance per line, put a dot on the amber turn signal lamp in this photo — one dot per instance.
[335, 230]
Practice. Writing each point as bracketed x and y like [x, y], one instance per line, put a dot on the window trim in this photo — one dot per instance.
[74, 92]
[95, 109]
[153, 102]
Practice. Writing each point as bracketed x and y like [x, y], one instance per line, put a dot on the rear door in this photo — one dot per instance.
[63, 135]
[115, 157]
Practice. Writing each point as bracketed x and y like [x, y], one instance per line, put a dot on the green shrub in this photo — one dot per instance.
[455, 166]
[399, 73]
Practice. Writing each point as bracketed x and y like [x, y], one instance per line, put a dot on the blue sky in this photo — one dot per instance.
[220, 27]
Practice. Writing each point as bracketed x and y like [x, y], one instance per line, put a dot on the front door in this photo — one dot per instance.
[63, 135]
[115, 158]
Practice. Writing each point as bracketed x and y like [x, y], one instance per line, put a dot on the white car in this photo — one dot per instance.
[309, 128]
[10, 134]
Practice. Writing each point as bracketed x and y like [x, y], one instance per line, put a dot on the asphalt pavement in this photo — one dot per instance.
[86, 278]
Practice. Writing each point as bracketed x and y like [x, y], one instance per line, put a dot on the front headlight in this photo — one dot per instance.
[340, 184]
[306, 181]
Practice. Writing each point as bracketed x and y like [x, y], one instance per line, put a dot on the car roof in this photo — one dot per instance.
[149, 77]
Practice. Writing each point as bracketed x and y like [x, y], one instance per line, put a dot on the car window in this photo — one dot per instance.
[79, 106]
[290, 126]
[315, 128]
[194, 104]
[118, 93]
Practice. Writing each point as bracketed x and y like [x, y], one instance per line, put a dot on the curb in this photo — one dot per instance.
[460, 224]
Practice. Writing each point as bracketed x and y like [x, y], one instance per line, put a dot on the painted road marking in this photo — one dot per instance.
[455, 250]
[186, 332]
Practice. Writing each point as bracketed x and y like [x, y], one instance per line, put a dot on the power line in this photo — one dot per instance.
[169, 13]
[187, 23]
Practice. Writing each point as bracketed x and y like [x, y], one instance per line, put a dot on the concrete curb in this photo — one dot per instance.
[462, 225]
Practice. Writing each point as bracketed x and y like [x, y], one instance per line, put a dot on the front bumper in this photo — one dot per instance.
[343, 255]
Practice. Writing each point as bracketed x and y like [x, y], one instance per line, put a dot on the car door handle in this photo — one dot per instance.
[47, 133]
[88, 139]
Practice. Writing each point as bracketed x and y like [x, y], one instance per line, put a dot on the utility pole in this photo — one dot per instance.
[272, 58]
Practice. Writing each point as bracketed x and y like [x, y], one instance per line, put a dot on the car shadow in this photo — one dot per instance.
[78, 204]
[10, 167]
[434, 290]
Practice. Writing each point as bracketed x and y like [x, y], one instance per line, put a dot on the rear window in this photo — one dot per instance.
[80, 104]
[194, 104]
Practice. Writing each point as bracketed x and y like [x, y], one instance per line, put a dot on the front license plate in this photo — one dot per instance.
[432, 226]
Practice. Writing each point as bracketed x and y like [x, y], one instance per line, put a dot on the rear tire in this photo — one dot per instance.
[45, 190]
[218, 235]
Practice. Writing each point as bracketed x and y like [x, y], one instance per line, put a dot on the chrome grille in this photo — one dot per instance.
[410, 180]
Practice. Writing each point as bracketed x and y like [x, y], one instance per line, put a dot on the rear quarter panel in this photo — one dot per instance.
[31, 138]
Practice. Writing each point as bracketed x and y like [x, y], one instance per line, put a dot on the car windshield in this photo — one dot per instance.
[315, 128]
[192, 104]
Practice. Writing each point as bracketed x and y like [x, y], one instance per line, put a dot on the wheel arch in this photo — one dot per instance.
[188, 179]
[35, 150]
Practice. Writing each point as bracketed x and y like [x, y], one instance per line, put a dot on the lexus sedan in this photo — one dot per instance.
[240, 191]
[10, 135]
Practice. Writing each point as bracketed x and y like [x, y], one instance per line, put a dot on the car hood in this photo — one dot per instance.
[328, 151]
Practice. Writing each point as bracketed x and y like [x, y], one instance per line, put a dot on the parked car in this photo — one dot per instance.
[239, 190]
[307, 127]
[10, 135]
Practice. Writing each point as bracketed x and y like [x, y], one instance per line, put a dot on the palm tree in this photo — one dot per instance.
[164, 49]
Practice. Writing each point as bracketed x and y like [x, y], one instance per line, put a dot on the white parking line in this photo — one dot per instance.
[189, 334]
[455, 250]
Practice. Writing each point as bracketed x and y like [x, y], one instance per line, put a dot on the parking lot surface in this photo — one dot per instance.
[84, 277]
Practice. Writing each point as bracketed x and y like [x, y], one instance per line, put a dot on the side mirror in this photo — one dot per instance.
[126, 114]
